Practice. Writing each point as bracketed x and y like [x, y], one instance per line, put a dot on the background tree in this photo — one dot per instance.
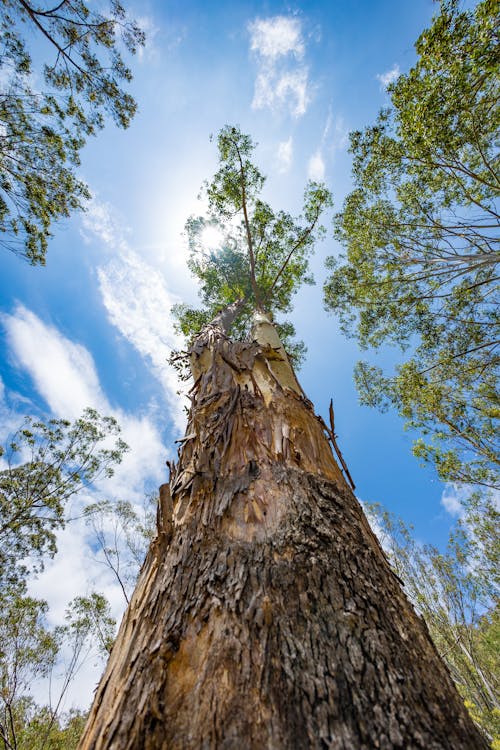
[123, 534]
[46, 464]
[31, 650]
[457, 592]
[265, 612]
[420, 230]
[43, 132]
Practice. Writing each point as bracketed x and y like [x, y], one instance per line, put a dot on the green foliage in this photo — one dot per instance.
[457, 593]
[42, 132]
[37, 730]
[30, 649]
[47, 463]
[27, 648]
[261, 256]
[421, 233]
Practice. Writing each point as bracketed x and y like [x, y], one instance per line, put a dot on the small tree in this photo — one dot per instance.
[47, 463]
[265, 614]
[31, 650]
[123, 534]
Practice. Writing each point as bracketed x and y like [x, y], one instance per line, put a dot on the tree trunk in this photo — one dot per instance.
[266, 614]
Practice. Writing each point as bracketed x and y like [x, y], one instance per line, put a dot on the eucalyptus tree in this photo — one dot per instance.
[44, 465]
[266, 614]
[421, 230]
[457, 593]
[44, 125]
[31, 650]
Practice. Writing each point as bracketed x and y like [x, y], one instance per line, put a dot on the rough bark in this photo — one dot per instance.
[266, 614]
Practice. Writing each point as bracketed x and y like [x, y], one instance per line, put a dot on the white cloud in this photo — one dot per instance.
[450, 499]
[316, 167]
[276, 36]
[389, 76]
[282, 80]
[454, 494]
[334, 138]
[138, 304]
[340, 135]
[150, 51]
[284, 155]
[292, 89]
[64, 374]
[99, 220]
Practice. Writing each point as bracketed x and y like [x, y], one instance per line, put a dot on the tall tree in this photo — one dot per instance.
[457, 592]
[43, 132]
[266, 614]
[420, 231]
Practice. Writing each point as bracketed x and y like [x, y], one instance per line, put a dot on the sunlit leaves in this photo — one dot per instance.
[261, 256]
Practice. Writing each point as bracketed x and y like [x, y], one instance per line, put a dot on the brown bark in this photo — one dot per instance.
[266, 614]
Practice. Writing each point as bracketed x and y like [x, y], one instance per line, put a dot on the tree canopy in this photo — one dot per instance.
[43, 132]
[47, 463]
[420, 230]
[260, 256]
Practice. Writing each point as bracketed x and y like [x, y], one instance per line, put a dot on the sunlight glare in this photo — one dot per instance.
[212, 238]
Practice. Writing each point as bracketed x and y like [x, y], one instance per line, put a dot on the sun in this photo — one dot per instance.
[212, 238]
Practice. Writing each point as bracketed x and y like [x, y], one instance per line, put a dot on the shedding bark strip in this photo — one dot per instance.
[266, 614]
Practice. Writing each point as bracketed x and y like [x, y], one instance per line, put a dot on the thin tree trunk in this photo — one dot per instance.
[266, 614]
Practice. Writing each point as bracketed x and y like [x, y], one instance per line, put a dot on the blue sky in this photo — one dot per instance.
[94, 327]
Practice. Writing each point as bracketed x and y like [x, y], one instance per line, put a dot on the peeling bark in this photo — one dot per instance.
[266, 614]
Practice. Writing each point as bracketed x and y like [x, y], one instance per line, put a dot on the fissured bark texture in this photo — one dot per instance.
[266, 614]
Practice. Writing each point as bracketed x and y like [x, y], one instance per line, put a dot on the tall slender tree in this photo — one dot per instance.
[266, 614]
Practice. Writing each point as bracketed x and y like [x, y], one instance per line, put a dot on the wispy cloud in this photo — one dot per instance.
[99, 220]
[138, 304]
[274, 37]
[339, 137]
[63, 372]
[389, 76]
[150, 50]
[335, 137]
[282, 77]
[451, 499]
[284, 155]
